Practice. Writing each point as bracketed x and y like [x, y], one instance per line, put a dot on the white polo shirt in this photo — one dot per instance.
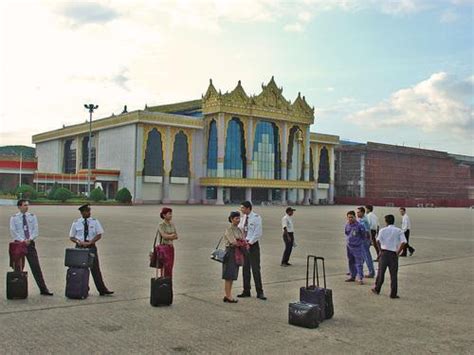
[287, 222]
[406, 223]
[373, 221]
[77, 229]
[391, 237]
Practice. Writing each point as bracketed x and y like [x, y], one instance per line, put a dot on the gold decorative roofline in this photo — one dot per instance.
[323, 138]
[270, 103]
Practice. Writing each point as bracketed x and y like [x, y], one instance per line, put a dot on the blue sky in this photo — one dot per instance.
[398, 72]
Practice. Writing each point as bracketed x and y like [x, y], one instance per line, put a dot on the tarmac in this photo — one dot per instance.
[433, 315]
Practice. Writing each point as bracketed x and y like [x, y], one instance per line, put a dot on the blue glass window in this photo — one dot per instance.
[153, 154]
[266, 155]
[311, 165]
[235, 160]
[69, 157]
[85, 152]
[180, 163]
[323, 177]
[212, 150]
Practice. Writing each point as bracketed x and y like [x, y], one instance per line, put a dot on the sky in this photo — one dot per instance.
[397, 72]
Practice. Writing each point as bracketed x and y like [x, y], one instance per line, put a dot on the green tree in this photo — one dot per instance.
[62, 194]
[98, 195]
[26, 191]
[53, 190]
[123, 195]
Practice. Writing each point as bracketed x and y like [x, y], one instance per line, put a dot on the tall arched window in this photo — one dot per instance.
[153, 154]
[70, 156]
[212, 150]
[180, 163]
[323, 176]
[266, 155]
[295, 154]
[85, 152]
[234, 160]
[311, 165]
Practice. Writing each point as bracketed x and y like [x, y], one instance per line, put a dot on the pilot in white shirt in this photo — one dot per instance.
[406, 227]
[288, 235]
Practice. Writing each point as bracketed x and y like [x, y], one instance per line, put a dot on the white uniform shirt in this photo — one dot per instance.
[77, 229]
[287, 222]
[17, 231]
[373, 221]
[391, 237]
[406, 224]
[254, 227]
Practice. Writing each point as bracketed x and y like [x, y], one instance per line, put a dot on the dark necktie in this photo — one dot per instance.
[25, 227]
[246, 225]
[86, 230]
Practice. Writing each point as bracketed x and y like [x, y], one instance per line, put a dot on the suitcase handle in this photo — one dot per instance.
[315, 270]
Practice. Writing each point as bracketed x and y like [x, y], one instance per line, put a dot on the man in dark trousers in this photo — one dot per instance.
[85, 233]
[24, 229]
[391, 241]
[406, 226]
[288, 235]
[251, 226]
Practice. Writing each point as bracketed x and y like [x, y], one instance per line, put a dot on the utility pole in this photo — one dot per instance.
[91, 108]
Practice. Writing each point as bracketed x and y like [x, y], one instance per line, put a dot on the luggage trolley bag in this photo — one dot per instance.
[161, 291]
[313, 294]
[304, 314]
[77, 257]
[77, 283]
[17, 285]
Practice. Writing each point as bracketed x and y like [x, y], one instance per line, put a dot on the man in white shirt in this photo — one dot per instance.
[288, 235]
[406, 226]
[391, 241]
[85, 233]
[24, 229]
[251, 226]
[374, 226]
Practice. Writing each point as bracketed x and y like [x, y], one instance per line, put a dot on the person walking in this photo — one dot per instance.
[236, 247]
[355, 238]
[251, 226]
[374, 227]
[406, 227]
[391, 241]
[168, 234]
[24, 229]
[288, 235]
[362, 218]
[85, 233]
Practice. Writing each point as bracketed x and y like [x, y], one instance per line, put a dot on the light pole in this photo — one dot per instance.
[91, 108]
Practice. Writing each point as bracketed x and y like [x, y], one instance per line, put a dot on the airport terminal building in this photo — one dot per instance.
[222, 148]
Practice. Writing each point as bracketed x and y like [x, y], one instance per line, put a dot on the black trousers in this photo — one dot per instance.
[96, 273]
[407, 245]
[388, 259]
[252, 262]
[288, 239]
[35, 267]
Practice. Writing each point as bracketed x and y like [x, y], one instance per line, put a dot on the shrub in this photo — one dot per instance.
[62, 194]
[124, 196]
[98, 195]
[26, 191]
[53, 190]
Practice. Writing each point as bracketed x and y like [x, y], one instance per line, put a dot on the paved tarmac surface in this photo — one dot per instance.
[434, 314]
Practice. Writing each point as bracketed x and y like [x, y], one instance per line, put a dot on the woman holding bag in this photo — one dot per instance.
[235, 246]
[167, 232]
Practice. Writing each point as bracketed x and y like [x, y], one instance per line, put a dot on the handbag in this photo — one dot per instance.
[155, 259]
[218, 254]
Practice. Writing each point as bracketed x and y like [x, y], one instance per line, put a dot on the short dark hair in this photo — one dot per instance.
[21, 202]
[390, 219]
[246, 204]
[362, 209]
[351, 213]
[369, 208]
[403, 208]
[232, 215]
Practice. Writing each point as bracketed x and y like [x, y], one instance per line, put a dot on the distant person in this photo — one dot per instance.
[391, 241]
[355, 238]
[251, 226]
[85, 233]
[362, 218]
[24, 229]
[168, 233]
[374, 226]
[235, 246]
[406, 226]
[288, 235]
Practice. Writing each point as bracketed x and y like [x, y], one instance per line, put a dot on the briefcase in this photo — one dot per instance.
[79, 258]
[17, 285]
[304, 314]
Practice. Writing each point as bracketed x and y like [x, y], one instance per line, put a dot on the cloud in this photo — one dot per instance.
[85, 12]
[296, 27]
[441, 103]
[448, 16]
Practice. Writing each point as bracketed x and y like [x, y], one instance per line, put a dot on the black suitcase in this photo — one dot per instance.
[17, 285]
[79, 257]
[304, 314]
[77, 283]
[161, 293]
[314, 294]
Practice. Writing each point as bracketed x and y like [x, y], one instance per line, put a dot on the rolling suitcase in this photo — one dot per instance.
[329, 305]
[17, 285]
[314, 294]
[304, 314]
[161, 291]
[77, 283]
[78, 258]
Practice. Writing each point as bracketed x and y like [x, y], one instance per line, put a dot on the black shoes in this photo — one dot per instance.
[394, 297]
[261, 297]
[244, 294]
[228, 300]
[106, 293]
[412, 251]
[46, 293]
